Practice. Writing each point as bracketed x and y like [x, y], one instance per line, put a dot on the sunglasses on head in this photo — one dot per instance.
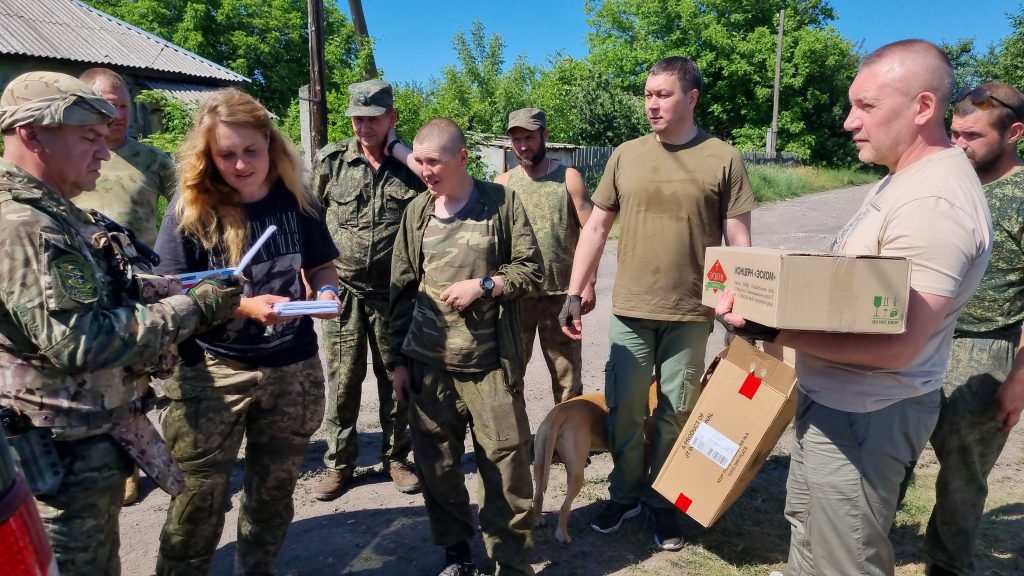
[979, 95]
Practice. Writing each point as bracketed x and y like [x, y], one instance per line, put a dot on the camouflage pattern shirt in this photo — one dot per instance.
[999, 302]
[457, 248]
[363, 210]
[555, 223]
[130, 183]
[65, 340]
[519, 262]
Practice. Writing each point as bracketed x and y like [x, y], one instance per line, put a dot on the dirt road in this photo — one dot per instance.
[374, 530]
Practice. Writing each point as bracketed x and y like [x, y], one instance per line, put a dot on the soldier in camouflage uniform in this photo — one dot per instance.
[137, 174]
[130, 182]
[363, 190]
[80, 323]
[984, 382]
[464, 257]
[557, 204]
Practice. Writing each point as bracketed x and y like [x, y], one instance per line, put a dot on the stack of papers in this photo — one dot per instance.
[303, 307]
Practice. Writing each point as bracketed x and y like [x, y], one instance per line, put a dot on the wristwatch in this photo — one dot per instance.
[487, 285]
[389, 151]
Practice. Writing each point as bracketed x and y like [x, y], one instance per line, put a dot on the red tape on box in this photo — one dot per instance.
[683, 503]
[750, 385]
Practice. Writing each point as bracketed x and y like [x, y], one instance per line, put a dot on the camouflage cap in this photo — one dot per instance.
[370, 98]
[528, 118]
[51, 99]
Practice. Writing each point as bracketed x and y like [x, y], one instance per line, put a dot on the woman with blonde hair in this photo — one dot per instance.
[259, 375]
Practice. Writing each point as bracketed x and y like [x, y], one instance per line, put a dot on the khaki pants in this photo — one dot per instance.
[563, 355]
[214, 404]
[81, 518]
[967, 442]
[674, 353]
[844, 479]
[441, 405]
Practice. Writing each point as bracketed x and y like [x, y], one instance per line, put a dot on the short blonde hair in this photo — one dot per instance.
[208, 209]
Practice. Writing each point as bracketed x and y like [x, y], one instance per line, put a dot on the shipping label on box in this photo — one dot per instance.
[748, 401]
[803, 291]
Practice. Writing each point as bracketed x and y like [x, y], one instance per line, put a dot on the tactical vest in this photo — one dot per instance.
[76, 405]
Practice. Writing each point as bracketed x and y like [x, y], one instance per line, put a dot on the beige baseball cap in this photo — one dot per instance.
[51, 99]
[528, 118]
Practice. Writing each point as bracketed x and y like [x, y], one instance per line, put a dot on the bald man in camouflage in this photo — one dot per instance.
[81, 321]
[464, 257]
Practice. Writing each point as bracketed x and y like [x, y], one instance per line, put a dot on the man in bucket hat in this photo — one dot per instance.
[363, 189]
[74, 335]
[557, 204]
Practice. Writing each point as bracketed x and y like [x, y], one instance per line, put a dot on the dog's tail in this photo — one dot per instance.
[543, 452]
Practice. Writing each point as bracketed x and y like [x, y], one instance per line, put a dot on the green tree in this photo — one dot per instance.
[1007, 63]
[585, 107]
[265, 40]
[477, 93]
[733, 43]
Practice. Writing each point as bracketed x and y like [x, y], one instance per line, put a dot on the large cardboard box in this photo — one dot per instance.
[748, 400]
[804, 291]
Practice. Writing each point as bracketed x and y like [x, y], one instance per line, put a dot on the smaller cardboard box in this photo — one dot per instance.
[748, 401]
[803, 291]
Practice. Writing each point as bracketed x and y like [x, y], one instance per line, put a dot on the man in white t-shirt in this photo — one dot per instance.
[869, 402]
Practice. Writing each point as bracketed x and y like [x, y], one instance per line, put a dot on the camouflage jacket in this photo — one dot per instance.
[363, 210]
[130, 184]
[522, 269]
[999, 302]
[67, 333]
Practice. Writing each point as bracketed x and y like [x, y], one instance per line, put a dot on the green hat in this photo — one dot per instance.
[370, 98]
[528, 118]
[51, 99]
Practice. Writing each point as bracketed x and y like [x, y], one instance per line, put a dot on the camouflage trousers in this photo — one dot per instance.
[563, 355]
[363, 321]
[967, 443]
[81, 518]
[213, 405]
[441, 405]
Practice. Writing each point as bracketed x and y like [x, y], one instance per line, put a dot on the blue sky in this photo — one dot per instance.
[414, 38]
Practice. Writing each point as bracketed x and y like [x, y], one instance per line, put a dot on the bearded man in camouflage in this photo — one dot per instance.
[363, 190]
[130, 183]
[984, 382]
[464, 257]
[558, 206]
[80, 323]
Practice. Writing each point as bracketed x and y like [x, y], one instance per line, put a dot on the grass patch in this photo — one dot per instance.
[773, 183]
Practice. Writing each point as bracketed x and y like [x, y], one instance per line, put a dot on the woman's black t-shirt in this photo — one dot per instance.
[300, 242]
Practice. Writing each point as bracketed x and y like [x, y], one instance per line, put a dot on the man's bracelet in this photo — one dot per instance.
[389, 150]
[329, 288]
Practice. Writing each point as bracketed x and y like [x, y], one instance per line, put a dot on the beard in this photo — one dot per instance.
[533, 160]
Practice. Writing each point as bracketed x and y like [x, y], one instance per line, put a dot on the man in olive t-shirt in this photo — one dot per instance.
[678, 191]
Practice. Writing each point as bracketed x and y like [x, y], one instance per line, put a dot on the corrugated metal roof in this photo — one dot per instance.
[183, 90]
[70, 30]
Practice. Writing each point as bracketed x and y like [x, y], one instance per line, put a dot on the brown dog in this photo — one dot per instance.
[573, 429]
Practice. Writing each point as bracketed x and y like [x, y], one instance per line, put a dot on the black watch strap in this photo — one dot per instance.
[391, 146]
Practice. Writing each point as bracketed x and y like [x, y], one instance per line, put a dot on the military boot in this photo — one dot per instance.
[330, 486]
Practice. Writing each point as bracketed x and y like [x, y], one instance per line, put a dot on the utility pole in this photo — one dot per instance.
[362, 36]
[317, 86]
[773, 134]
